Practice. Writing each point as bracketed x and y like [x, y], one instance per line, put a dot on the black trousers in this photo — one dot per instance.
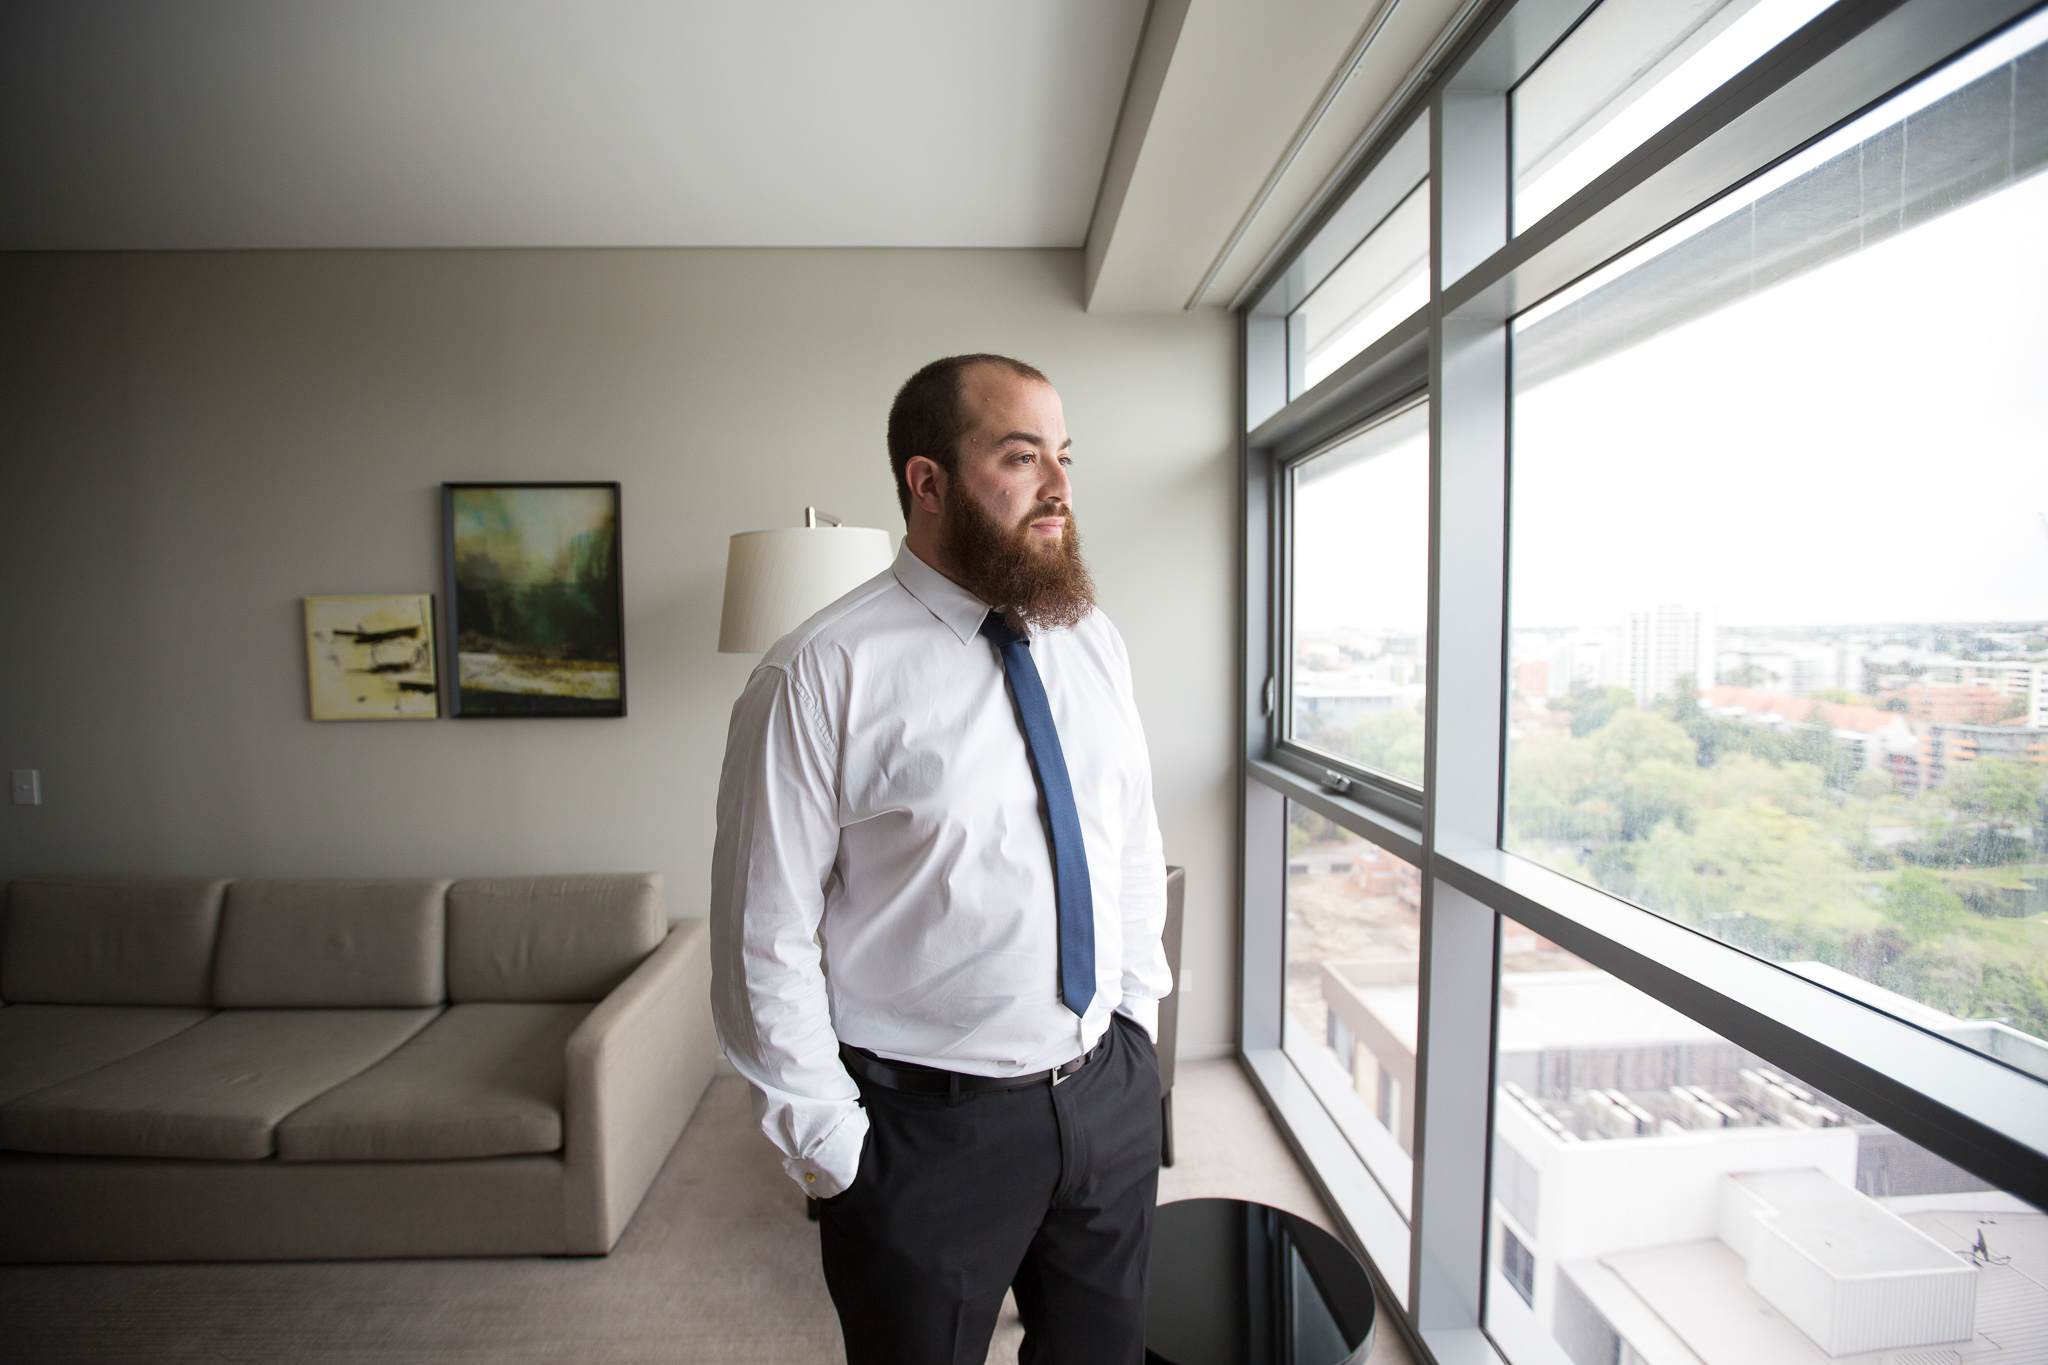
[1047, 1190]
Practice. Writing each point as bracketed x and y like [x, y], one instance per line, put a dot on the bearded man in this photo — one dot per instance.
[937, 897]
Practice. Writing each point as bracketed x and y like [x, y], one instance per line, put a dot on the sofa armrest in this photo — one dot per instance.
[636, 1067]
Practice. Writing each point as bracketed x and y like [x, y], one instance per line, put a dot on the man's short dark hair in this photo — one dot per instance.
[926, 419]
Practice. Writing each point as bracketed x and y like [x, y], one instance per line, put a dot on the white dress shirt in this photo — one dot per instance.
[883, 875]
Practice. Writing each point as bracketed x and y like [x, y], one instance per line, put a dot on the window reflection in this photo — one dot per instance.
[1382, 281]
[1626, 71]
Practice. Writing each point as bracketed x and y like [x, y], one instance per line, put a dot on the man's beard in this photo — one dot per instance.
[1046, 585]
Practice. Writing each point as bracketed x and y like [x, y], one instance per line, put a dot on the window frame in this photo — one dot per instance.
[1963, 1106]
[1340, 775]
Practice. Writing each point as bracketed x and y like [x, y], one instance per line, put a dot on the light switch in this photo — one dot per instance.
[1187, 981]
[28, 787]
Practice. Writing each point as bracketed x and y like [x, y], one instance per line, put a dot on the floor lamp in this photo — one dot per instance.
[775, 580]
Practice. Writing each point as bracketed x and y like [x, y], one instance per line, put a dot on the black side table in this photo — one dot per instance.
[1236, 1283]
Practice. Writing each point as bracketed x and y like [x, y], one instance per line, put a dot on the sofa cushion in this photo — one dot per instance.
[110, 940]
[331, 945]
[41, 1045]
[217, 1090]
[550, 938]
[481, 1080]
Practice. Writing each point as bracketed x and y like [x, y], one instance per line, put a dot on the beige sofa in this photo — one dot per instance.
[250, 1070]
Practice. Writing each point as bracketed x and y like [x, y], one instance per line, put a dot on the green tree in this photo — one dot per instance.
[1921, 904]
[1754, 857]
[1592, 707]
[1739, 828]
[1390, 742]
[1998, 790]
[1306, 828]
[1683, 705]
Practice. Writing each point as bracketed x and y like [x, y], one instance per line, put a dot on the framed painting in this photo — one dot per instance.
[371, 658]
[536, 614]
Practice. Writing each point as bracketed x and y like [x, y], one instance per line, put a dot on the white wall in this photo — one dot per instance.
[189, 443]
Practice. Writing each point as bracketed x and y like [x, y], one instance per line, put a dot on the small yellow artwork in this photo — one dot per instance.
[371, 658]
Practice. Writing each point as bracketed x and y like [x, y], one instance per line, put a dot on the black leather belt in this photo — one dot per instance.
[912, 1079]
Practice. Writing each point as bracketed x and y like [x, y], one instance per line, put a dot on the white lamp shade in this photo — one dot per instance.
[774, 580]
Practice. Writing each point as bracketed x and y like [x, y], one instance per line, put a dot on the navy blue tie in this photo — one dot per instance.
[1069, 859]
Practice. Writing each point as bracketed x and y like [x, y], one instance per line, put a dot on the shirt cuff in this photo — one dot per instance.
[1144, 1013]
[833, 1163]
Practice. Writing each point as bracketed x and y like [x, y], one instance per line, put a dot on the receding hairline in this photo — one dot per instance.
[1002, 364]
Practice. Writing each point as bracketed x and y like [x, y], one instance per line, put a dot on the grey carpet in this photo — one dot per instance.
[719, 1265]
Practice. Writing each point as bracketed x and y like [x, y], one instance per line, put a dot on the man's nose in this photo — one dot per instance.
[1057, 486]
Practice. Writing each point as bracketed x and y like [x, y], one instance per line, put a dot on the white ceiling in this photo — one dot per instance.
[1241, 115]
[167, 124]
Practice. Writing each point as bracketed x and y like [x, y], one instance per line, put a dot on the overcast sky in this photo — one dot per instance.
[1361, 535]
[1865, 443]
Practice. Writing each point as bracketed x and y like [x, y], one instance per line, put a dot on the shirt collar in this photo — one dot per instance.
[960, 609]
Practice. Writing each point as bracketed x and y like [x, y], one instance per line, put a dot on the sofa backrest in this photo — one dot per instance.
[550, 938]
[331, 944]
[109, 940]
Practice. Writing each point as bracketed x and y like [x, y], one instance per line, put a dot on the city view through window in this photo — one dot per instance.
[1779, 580]
[1361, 596]
[1775, 670]
[1354, 944]
[1663, 1197]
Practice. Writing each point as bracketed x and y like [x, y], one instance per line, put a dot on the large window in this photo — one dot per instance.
[1361, 596]
[1809, 718]
[1645, 837]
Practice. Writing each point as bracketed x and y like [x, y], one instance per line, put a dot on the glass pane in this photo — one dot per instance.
[1627, 70]
[1361, 596]
[1383, 280]
[1780, 567]
[1354, 939]
[1660, 1194]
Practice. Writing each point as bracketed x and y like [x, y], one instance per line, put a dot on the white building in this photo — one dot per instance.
[1706, 1223]
[2023, 682]
[1661, 1197]
[1341, 699]
[1795, 670]
[1587, 657]
[1662, 644]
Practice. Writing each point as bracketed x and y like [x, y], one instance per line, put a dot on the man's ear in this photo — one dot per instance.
[927, 484]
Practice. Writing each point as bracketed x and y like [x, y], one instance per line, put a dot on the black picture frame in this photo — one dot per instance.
[534, 600]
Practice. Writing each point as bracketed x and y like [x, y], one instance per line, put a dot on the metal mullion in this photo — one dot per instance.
[1396, 798]
[1343, 781]
[1399, 837]
[1387, 370]
[1262, 814]
[1467, 540]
